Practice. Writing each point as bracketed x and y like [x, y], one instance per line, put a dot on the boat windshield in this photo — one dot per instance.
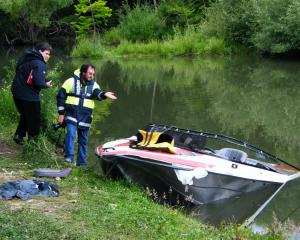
[219, 145]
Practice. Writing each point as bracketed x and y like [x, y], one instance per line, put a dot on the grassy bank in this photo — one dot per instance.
[187, 43]
[89, 207]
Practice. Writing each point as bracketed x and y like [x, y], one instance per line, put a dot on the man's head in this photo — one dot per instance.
[44, 49]
[87, 72]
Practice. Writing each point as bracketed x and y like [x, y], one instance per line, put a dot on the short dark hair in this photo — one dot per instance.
[85, 67]
[43, 46]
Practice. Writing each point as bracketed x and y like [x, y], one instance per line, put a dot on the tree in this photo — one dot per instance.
[90, 16]
[31, 16]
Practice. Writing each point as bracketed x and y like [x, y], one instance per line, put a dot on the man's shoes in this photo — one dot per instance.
[18, 139]
[69, 160]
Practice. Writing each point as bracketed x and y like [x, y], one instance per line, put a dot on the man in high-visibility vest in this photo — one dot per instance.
[75, 103]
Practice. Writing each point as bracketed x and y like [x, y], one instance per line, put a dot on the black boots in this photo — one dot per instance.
[18, 139]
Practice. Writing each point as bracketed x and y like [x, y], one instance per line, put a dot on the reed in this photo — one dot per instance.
[188, 42]
[88, 48]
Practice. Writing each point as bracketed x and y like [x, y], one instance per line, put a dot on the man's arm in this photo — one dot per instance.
[61, 99]
[101, 95]
[39, 72]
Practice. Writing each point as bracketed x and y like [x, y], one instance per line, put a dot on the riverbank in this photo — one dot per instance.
[191, 42]
[90, 207]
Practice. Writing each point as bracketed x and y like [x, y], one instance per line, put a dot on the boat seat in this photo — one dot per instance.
[232, 154]
[190, 142]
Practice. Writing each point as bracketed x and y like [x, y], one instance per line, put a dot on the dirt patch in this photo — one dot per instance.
[55, 208]
[7, 175]
[8, 150]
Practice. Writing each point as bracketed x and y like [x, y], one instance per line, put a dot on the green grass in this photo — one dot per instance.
[90, 207]
[88, 48]
[187, 43]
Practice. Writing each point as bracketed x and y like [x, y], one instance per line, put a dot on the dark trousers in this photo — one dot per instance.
[30, 117]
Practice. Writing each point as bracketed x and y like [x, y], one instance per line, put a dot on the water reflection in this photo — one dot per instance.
[245, 97]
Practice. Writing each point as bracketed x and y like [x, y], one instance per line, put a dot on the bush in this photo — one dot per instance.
[187, 42]
[279, 26]
[141, 23]
[175, 13]
[7, 107]
[112, 37]
[48, 100]
[271, 26]
[233, 20]
[88, 47]
[40, 152]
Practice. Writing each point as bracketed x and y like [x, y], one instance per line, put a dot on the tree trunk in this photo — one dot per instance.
[155, 4]
[94, 28]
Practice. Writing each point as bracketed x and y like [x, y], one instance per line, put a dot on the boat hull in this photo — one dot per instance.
[163, 179]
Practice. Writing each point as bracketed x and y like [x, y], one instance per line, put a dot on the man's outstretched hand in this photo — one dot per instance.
[110, 95]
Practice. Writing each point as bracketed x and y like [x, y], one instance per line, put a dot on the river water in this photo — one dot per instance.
[253, 99]
[247, 97]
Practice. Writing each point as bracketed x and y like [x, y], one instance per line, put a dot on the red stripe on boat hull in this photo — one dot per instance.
[161, 156]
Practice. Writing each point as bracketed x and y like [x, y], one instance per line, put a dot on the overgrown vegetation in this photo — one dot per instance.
[88, 48]
[266, 26]
[141, 24]
[188, 42]
[90, 16]
[29, 18]
[7, 107]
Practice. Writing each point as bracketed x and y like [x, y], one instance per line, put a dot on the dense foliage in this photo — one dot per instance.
[269, 26]
[141, 23]
[29, 17]
[90, 16]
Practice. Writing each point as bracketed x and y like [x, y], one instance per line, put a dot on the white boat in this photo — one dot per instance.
[202, 168]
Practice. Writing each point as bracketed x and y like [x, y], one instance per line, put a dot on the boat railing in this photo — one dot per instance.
[219, 137]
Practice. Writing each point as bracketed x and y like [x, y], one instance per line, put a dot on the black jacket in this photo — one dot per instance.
[32, 60]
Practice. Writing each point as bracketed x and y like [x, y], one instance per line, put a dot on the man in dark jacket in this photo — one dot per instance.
[26, 87]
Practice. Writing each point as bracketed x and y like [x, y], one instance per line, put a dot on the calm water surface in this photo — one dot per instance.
[256, 100]
[250, 98]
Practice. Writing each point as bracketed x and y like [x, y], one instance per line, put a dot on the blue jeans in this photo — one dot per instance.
[82, 143]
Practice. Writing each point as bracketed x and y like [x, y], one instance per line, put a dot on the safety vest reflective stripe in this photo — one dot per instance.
[71, 119]
[89, 103]
[68, 85]
[83, 124]
[60, 108]
[72, 100]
